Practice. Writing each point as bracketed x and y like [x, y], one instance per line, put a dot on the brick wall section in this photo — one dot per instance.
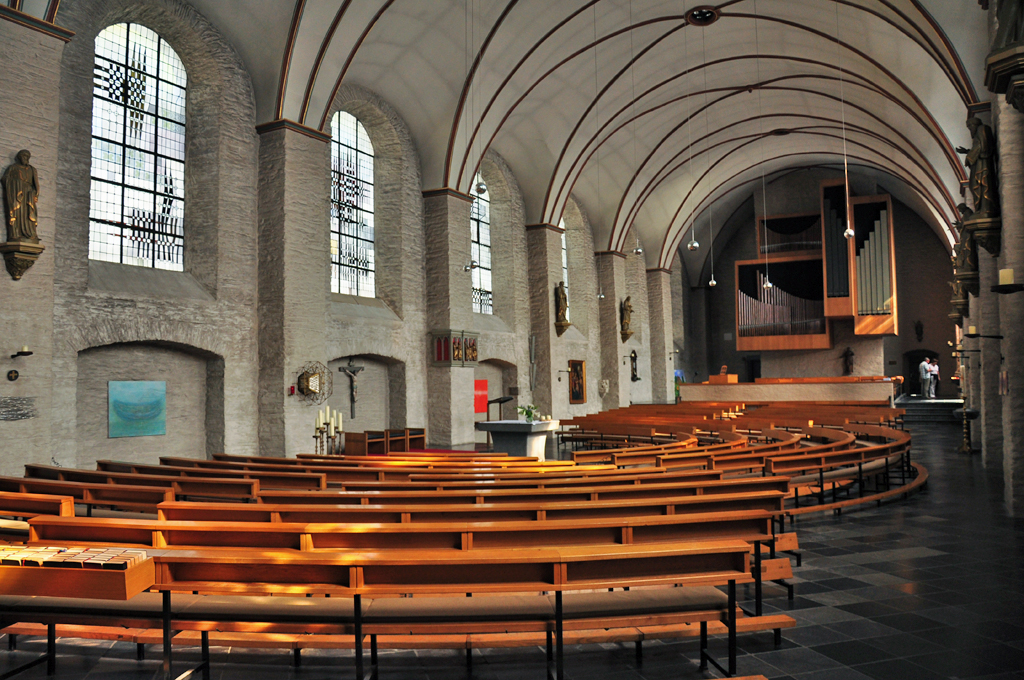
[29, 111]
[221, 254]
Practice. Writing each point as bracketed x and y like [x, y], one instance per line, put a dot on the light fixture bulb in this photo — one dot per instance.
[471, 266]
[481, 187]
[848, 233]
[638, 251]
[767, 285]
[600, 296]
[712, 283]
[692, 245]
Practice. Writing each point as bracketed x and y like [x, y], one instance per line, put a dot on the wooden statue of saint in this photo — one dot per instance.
[561, 303]
[21, 193]
[980, 160]
[1010, 17]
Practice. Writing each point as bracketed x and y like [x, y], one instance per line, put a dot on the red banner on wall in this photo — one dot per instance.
[479, 396]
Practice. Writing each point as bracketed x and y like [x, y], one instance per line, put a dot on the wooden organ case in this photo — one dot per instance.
[817, 274]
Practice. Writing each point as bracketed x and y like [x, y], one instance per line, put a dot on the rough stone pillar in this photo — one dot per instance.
[544, 255]
[1009, 125]
[659, 305]
[611, 277]
[29, 111]
[990, 403]
[449, 306]
[293, 285]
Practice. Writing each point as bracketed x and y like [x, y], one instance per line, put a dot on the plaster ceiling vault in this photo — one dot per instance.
[678, 118]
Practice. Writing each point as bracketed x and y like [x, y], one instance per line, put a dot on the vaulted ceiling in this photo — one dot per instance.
[650, 120]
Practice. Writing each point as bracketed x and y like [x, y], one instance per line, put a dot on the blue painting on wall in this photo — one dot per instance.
[136, 408]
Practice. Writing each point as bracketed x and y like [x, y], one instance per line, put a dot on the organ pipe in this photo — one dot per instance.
[776, 312]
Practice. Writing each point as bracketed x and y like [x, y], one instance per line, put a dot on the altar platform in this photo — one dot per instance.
[848, 388]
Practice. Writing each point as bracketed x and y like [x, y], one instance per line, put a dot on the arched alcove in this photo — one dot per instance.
[379, 390]
[193, 414]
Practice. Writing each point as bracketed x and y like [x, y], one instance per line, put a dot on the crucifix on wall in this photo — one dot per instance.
[352, 371]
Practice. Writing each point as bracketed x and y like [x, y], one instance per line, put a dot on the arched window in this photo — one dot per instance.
[352, 246]
[137, 205]
[565, 263]
[480, 224]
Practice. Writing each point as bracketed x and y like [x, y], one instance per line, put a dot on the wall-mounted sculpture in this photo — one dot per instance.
[965, 255]
[561, 309]
[984, 224]
[21, 196]
[626, 318]
[961, 305]
[1004, 67]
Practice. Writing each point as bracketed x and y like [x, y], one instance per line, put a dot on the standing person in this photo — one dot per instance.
[925, 373]
[933, 369]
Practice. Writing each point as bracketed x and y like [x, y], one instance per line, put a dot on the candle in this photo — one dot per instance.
[24, 348]
[330, 429]
[972, 330]
[1005, 277]
[319, 422]
[340, 428]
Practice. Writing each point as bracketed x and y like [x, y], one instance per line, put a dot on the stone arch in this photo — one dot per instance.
[398, 203]
[381, 402]
[220, 115]
[211, 305]
[194, 380]
[490, 369]
[579, 241]
[508, 238]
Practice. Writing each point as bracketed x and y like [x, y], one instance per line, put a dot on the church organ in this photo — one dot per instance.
[817, 274]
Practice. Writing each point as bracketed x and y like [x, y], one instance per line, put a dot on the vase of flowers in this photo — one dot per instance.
[530, 411]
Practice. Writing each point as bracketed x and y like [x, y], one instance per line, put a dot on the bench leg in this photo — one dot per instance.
[732, 627]
[550, 649]
[703, 645]
[757, 577]
[140, 651]
[205, 641]
[373, 656]
[12, 641]
[296, 657]
[358, 631]
[469, 659]
[559, 670]
[167, 634]
[51, 649]
[639, 652]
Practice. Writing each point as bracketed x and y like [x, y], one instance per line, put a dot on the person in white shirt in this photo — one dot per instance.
[925, 373]
[933, 370]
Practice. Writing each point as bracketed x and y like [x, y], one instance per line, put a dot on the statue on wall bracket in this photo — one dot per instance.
[960, 303]
[626, 318]
[1004, 66]
[965, 255]
[562, 322]
[21, 195]
[984, 224]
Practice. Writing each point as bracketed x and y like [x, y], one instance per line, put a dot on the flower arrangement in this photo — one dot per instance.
[530, 411]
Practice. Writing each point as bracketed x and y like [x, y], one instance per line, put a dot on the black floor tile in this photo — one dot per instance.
[853, 652]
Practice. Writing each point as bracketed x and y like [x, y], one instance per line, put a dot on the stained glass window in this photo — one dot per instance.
[137, 206]
[480, 224]
[352, 251]
[565, 264]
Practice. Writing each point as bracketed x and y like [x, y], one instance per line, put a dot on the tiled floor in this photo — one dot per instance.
[925, 588]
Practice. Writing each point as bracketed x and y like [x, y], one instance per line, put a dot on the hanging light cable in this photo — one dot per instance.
[707, 134]
[597, 129]
[764, 192]
[692, 245]
[632, 94]
[848, 232]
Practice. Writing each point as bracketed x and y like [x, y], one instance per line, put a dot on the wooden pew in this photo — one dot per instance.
[93, 494]
[267, 480]
[219, 487]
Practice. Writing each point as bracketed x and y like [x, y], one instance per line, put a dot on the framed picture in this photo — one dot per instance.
[136, 408]
[577, 382]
